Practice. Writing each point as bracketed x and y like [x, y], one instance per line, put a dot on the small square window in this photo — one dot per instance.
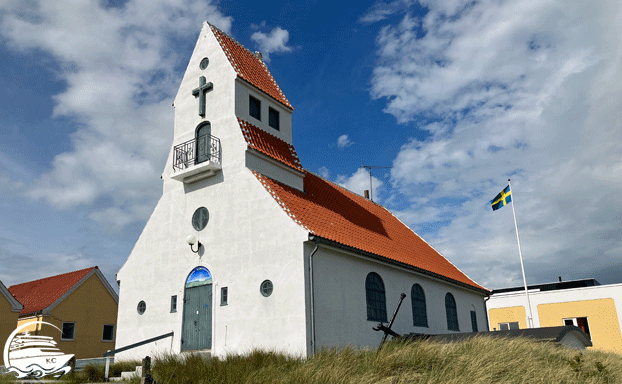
[254, 107]
[224, 295]
[508, 326]
[173, 303]
[273, 118]
[108, 334]
[68, 331]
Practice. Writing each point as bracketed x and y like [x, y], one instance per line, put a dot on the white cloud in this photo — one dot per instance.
[118, 67]
[273, 42]
[343, 141]
[380, 11]
[359, 182]
[526, 89]
[324, 172]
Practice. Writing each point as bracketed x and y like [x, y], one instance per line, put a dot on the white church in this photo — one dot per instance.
[248, 250]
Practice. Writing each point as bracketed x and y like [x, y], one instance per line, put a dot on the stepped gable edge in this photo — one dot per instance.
[249, 67]
[39, 294]
[270, 145]
[334, 213]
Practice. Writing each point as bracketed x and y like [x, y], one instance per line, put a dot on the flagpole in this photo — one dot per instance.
[522, 266]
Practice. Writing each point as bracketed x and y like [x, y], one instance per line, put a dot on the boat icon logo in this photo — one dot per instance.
[34, 356]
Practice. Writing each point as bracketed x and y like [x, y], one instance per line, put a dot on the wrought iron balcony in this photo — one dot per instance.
[197, 156]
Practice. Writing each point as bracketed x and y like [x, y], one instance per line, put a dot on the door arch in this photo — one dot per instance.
[197, 318]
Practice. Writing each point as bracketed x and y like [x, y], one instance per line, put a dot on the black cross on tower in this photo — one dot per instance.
[203, 88]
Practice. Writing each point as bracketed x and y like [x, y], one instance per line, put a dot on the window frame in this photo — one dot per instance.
[104, 333]
[253, 100]
[173, 303]
[422, 306]
[474, 321]
[375, 298]
[224, 296]
[274, 112]
[73, 331]
[509, 325]
[451, 311]
[575, 322]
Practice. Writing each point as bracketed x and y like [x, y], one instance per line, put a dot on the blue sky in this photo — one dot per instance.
[456, 96]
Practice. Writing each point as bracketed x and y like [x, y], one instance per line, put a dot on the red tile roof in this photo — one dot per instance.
[39, 294]
[249, 67]
[270, 145]
[336, 214]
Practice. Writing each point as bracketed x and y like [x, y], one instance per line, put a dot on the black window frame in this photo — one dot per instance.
[224, 296]
[474, 321]
[375, 297]
[452, 312]
[274, 120]
[111, 333]
[419, 308]
[252, 103]
[64, 335]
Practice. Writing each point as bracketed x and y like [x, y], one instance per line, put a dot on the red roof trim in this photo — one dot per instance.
[270, 145]
[39, 294]
[343, 217]
[249, 67]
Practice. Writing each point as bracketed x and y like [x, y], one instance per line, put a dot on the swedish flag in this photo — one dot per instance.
[504, 197]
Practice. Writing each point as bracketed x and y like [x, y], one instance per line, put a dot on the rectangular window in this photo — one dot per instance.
[474, 321]
[173, 303]
[273, 118]
[224, 295]
[254, 107]
[508, 326]
[580, 322]
[108, 334]
[68, 331]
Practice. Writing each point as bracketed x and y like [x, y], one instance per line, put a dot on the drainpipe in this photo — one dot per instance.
[316, 241]
[486, 309]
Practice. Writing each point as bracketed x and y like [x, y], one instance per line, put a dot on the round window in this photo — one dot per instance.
[141, 307]
[200, 218]
[266, 288]
[204, 63]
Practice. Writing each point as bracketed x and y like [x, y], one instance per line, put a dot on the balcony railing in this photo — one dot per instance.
[195, 151]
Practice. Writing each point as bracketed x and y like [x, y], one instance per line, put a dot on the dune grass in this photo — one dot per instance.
[478, 360]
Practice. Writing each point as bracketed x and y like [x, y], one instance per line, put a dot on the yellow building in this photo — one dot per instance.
[81, 304]
[9, 312]
[583, 303]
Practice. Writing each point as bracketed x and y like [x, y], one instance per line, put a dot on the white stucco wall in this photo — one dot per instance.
[248, 239]
[340, 301]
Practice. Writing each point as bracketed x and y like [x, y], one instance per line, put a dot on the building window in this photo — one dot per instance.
[273, 118]
[376, 299]
[452, 312]
[580, 322]
[508, 326]
[200, 218]
[142, 306]
[254, 107]
[173, 303]
[68, 331]
[474, 321]
[266, 288]
[204, 141]
[224, 295]
[108, 333]
[420, 314]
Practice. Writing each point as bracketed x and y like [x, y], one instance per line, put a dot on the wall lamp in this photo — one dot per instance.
[192, 240]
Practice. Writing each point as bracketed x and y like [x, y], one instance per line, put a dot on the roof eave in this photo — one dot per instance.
[422, 271]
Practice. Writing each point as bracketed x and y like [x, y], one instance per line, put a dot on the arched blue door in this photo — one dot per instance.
[197, 320]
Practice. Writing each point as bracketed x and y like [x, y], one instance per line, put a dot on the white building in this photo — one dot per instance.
[286, 260]
[583, 303]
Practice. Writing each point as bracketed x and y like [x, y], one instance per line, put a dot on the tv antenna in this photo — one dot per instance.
[369, 168]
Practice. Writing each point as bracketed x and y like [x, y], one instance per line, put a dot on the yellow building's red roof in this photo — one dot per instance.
[249, 67]
[39, 294]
